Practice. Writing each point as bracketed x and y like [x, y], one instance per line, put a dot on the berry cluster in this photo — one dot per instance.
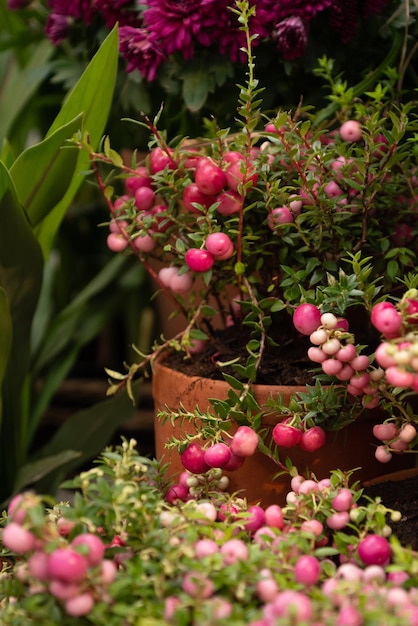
[398, 353]
[204, 466]
[74, 571]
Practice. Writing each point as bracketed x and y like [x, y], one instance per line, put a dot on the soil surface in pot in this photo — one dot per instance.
[400, 496]
[283, 364]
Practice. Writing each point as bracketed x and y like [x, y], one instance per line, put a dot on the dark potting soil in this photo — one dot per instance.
[283, 364]
[400, 496]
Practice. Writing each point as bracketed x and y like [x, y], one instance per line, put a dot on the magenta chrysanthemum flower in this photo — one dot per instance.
[178, 24]
[82, 9]
[56, 28]
[140, 50]
[271, 12]
[374, 7]
[344, 19]
[292, 38]
[117, 11]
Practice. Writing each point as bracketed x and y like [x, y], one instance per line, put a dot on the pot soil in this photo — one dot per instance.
[399, 491]
[349, 448]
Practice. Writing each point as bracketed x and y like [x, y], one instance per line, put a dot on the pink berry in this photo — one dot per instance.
[399, 377]
[351, 131]
[234, 463]
[286, 436]
[338, 521]
[198, 260]
[244, 442]
[407, 433]
[266, 589]
[18, 539]
[205, 547]
[63, 590]
[144, 198]
[331, 367]
[279, 216]
[230, 202]
[343, 500]
[144, 242]
[160, 159]
[116, 242]
[67, 565]
[38, 565]
[386, 319]
[177, 492]
[234, 550]
[209, 177]
[220, 246]
[316, 355]
[197, 585]
[193, 196]
[140, 179]
[374, 550]
[307, 570]
[306, 318]
[385, 431]
[92, 546]
[240, 173]
[382, 454]
[346, 353]
[312, 439]
[79, 605]
[256, 518]
[181, 283]
[193, 459]
[274, 516]
[217, 455]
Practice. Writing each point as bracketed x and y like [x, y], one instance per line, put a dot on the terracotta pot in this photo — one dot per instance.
[352, 447]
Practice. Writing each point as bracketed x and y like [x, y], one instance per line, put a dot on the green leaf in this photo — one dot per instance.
[88, 431]
[21, 268]
[19, 83]
[43, 172]
[6, 332]
[91, 96]
[197, 84]
[31, 473]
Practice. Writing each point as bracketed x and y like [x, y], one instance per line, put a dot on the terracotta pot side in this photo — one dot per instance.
[352, 447]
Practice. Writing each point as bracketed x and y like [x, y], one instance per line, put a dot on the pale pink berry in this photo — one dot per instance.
[382, 454]
[219, 245]
[116, 242]
[234, 550]
[18, 539]
[351, 130]
[79, 605]
[399, 377]
[198, 585]
[229, 202]
[217, 455]
[181, 283]
[92, 547]
[407, 433]
[244, 442]
[144, 242]
[279, 216]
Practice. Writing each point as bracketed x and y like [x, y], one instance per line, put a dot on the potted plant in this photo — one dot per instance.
[122, 553]
[297, 234]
